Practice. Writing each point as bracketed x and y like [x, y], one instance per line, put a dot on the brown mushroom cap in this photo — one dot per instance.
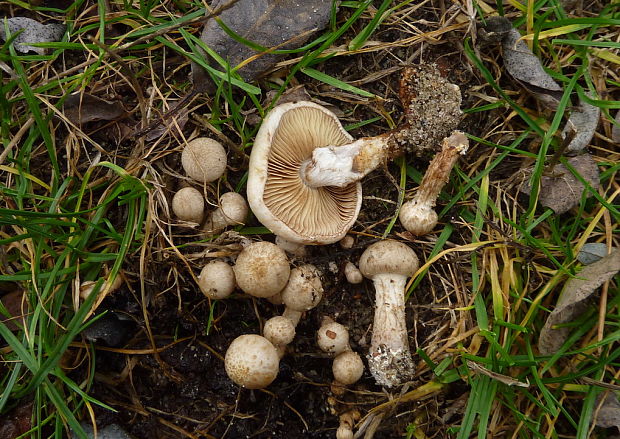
[262, 269]
[277, 194]
[252, 361]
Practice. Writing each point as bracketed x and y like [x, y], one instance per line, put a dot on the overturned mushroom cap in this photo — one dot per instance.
[262, 269]
[252, 361]
[277, 194]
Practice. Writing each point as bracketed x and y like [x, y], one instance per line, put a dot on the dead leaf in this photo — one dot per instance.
[81, 108]
[608, 415]
[582, 122]
[526, 68]
[32, 32]
[560, 190]
[592, 252]
[615, 129]
[173, 121]
[520, 62]
[574, 300]
[285, 24]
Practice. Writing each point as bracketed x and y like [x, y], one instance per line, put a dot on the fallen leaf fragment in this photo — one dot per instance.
[32, 32]
[283, 24]
[581, 125]
[81, 108]
[574, 300]
[560, 190]
[592, 252]
[526, 68]
[520, 62]
[608, 415]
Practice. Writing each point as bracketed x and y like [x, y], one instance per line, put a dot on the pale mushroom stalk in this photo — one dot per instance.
[418, 215]
[388, 264]
[342, 165]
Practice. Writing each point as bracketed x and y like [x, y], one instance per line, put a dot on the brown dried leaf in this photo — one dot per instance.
[609, 413]
[560, 190]
[574, 300]
[81, 108]
[285, 24]
[582, 122]
[32, 32]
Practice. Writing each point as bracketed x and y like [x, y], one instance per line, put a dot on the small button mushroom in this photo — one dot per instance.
[204, 159]
[352, 273]
[232, 211]
[332, 337]
[291, 247]
[304, 290]
[348, 368]
[388, 264]
[347, 242]
[217, 280]
[280, 331]
[347, 421]
[262, 269]
[252, 362]
[188, 204]
[418, 215]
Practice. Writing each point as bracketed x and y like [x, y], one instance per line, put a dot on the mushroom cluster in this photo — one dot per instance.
[333, 338]
[262, 270]
[204, 161]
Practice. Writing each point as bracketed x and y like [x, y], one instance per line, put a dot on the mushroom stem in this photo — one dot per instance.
[417, 215]
[342, 165]
[389, 263]
[389, 358]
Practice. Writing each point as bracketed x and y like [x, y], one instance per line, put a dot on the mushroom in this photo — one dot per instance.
[291, 247]
[251, 361]
[232, 211]
[278, 194]
[188, 204]
[332, 337]
[303, 291]
[347, 421]
[388, 264]
[347, 368]
[352, 273]
[280, 331]
[262, 269]
[216, 280]
[417, 215]
[347, 242]
[204, 159]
